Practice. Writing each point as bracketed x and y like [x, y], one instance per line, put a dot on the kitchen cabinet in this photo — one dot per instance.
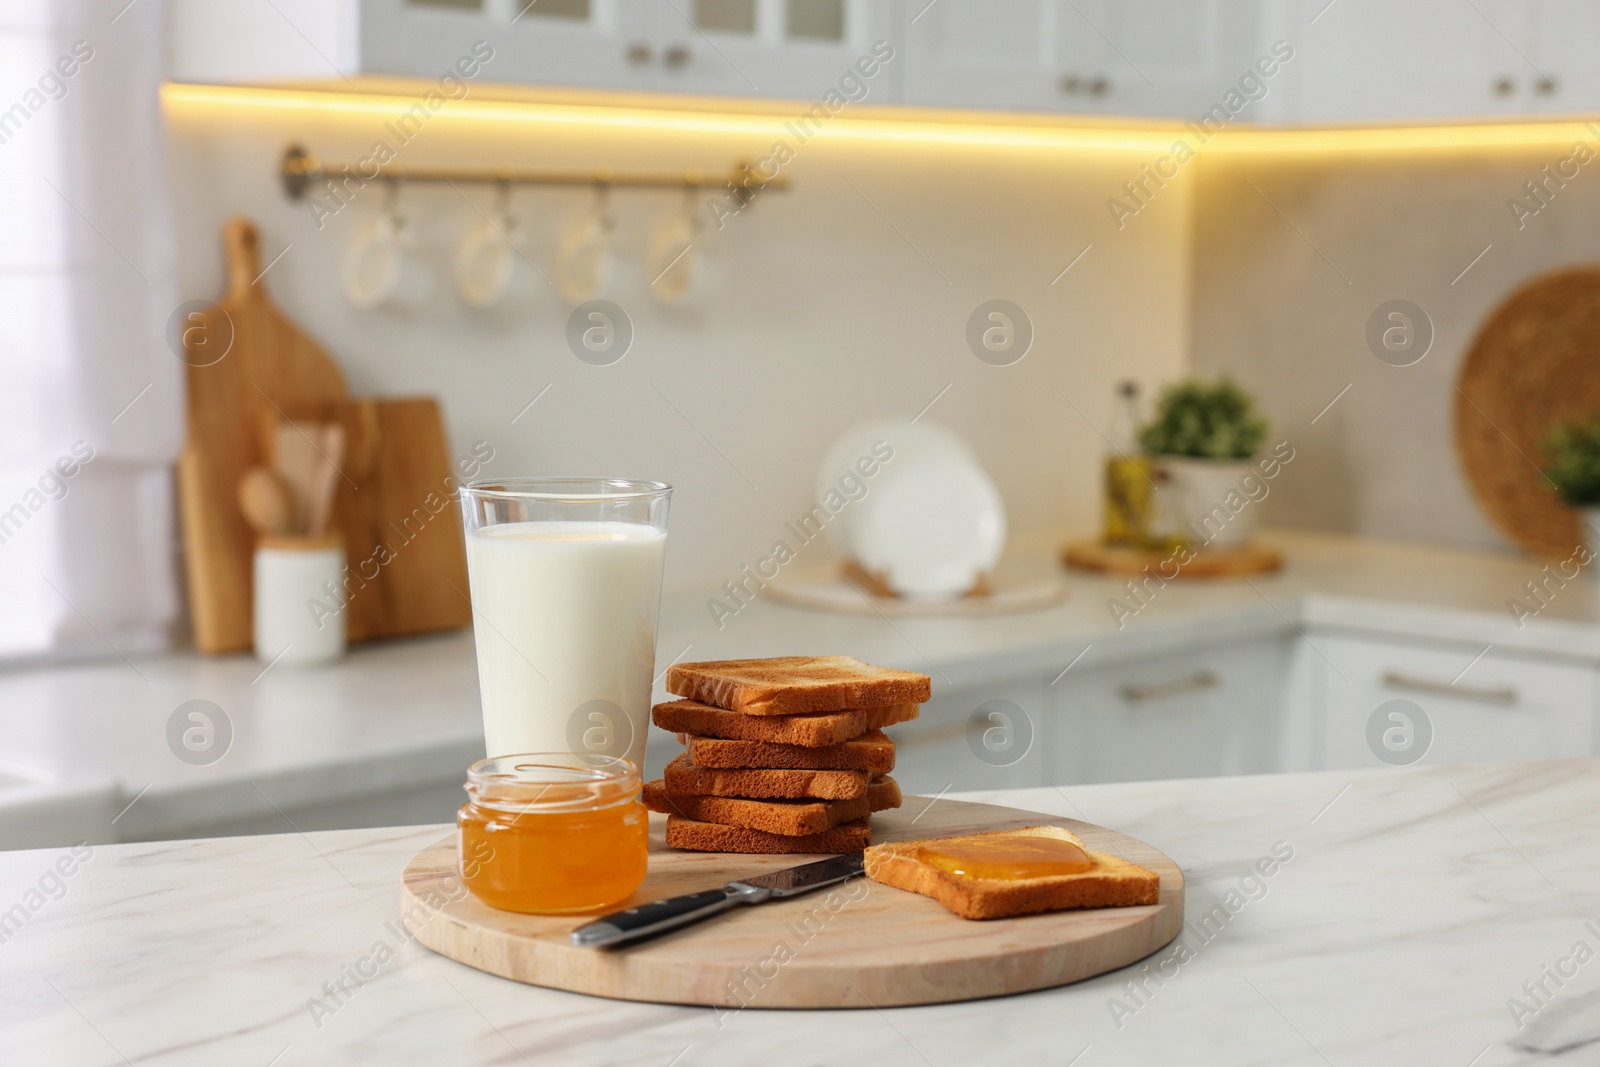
[1387, 701]
[796, 49]
[1212, 711]
[1152, 58]
[1560, 75]
[1195, 713]
[1367, 60]
[612, 44]
[787, 48]
[1354, 61]
[976, 737]
[989, 53]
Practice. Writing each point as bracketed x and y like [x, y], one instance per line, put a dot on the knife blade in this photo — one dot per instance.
[647, 920]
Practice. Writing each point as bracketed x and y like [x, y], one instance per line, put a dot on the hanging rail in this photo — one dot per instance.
[300, 170]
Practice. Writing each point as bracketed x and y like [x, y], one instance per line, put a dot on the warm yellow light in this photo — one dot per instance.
[1399, 140]
[641, 116]
[860, 123]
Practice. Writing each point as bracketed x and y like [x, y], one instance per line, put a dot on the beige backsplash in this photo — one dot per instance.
[1284, 308]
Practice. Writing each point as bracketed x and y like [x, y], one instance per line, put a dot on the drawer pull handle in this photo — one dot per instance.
[1139, 694]
[1484, 694]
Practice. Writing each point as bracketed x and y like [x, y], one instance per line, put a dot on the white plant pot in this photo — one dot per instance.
[1590, 518]
[1207, 502]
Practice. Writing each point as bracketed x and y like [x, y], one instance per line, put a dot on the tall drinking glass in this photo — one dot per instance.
[566, 590]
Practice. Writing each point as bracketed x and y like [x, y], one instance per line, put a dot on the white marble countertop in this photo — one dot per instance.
[397, 713]
[1415, 904]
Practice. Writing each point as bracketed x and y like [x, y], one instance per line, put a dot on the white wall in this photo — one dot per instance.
[832, 314]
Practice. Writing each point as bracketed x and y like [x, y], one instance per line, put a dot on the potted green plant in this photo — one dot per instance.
[1574, 451]
[1204, 438]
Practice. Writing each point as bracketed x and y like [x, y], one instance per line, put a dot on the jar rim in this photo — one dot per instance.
[530, 782]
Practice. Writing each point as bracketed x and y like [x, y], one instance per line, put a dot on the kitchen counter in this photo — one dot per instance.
[94, 736]
[1413, 904]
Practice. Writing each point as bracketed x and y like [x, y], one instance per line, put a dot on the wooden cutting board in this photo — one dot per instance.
[1208, 562]
[396, 474]
[396, 510]
[270, 363]
[1531, 367]
[858, 946]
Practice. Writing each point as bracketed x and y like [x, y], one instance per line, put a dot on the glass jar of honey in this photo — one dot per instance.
[549, 833]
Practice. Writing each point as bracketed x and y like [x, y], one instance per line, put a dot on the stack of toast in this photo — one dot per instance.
[781, 755]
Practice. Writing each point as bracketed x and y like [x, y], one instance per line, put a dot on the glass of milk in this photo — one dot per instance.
[566, 588]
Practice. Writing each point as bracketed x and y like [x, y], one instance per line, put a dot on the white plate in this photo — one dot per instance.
[930, 521]
[844, 470]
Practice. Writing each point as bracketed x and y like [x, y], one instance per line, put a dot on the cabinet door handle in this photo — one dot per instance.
[1484, 694]
[676, 56]
[639, 53]
[1139, 694]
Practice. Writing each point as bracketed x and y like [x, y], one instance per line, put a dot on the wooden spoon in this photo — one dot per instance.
[324, 477]
[267, 501]
[295, 458]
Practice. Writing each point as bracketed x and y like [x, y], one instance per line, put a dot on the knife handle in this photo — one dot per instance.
[653, 918]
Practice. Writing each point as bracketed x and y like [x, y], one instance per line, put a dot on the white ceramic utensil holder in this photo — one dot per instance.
[298, 621]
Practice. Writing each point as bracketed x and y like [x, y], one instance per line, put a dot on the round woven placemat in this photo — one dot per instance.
[1535, 363]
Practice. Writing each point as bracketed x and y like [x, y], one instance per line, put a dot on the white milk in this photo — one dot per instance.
[565, 621]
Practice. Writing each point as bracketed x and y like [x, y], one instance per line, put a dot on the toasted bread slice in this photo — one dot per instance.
[796, 685]
[883, 793]
[813, 731]
[792, 818]
[714, 837]
[683, 778]
[1110, 883]
[872, 751]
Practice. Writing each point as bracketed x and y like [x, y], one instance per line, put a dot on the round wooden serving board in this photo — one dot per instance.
[857, 945]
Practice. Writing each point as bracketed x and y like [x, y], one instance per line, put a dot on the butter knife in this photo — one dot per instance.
[647, 920]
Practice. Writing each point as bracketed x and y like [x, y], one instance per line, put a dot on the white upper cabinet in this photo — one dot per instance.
[1365, 60]
[588, 43]
[796, 49]
[1560, 75]
[1375, 60]
[1350, 61]
[1172, 59]
[980, 53]
[1153, 58]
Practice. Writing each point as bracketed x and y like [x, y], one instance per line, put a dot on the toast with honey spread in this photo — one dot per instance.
[1004, 873]
[796, 685]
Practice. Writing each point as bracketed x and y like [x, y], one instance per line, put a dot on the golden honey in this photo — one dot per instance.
[1007, 859]
[552, 833]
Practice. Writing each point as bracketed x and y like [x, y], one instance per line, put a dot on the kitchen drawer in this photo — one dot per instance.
[1189, 715]
[975, 737]
[1501, 708]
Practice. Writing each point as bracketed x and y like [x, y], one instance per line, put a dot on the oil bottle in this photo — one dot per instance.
[1129, 488]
